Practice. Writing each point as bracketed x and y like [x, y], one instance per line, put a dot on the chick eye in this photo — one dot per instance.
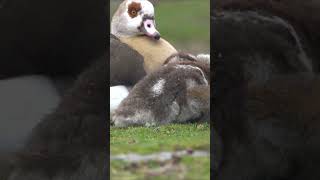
[133, 12]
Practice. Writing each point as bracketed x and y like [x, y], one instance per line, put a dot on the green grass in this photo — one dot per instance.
[172, 137]
[147, 140]
[184, 22]
[188, 168]
[198, 168]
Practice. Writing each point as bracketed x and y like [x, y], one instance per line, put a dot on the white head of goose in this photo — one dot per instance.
[134, 17]
[134, 24]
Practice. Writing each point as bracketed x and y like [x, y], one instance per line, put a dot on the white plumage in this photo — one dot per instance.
[117, 94]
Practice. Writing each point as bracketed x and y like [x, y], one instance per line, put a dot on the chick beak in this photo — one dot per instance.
[148, 28]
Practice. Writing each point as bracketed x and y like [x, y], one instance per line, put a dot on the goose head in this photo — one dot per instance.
[134, 18]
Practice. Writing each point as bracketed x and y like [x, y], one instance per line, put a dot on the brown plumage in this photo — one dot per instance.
[178, 92]
[126, 64]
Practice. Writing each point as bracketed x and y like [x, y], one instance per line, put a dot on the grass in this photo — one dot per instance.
[187, 168]
[172, 137]
[146, 140]
[185, 22]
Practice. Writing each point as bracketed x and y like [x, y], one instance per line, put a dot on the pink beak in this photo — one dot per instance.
[149, 29]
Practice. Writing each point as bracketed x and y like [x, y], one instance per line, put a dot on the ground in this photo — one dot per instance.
[147, 140]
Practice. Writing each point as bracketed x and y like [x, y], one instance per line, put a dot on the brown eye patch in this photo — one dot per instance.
[133, 9]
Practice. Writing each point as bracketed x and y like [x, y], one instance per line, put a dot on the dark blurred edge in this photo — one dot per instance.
[211, 96]
[108, 89]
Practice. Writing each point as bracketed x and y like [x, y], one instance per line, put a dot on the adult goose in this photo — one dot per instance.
[136, 48]
[303, 16]
[134, 25]
[265, 130]
[266, 115]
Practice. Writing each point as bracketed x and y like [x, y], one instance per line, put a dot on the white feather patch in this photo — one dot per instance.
[195, 68]
[157, 88]
[117, 94]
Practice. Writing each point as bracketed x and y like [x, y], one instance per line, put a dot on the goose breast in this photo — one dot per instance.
[154, 52]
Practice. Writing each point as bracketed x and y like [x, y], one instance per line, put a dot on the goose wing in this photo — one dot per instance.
[126, 64]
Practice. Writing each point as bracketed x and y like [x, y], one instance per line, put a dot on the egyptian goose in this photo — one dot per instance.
[136, 46]
[267, 128]
[134, 24]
